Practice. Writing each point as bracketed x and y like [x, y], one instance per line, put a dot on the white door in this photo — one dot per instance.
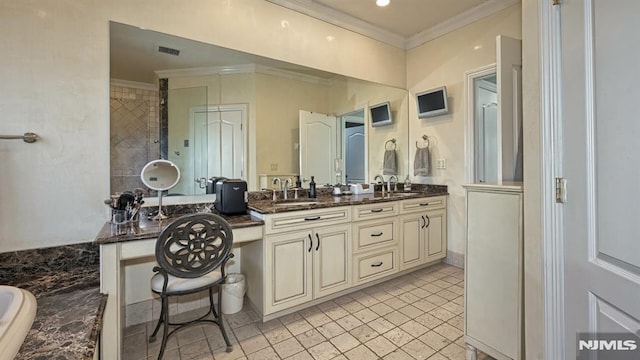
[601, 163]
[354, 162]
[218, 142]
[318, 132]
[332, 260]
[509, 86]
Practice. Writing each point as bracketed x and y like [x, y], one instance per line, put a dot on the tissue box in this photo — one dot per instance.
[358, 189]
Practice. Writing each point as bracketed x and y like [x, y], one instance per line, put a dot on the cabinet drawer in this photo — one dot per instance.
[375, 211]
[424, 204]
[372, 234]
[295, 219]
[372, 266]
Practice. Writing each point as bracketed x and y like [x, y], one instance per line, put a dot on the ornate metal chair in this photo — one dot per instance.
[191, 253]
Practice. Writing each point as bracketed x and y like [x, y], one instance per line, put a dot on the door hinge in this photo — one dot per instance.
[561, 190]
[556, 2]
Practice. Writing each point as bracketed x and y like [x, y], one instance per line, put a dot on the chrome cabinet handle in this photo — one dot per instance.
[378, 234]
[310, 243]
[378, 264]
[318, 237]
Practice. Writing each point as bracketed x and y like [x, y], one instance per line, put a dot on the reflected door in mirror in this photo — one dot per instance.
[318, 137]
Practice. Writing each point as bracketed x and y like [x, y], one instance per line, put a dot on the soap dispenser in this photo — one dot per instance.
[312, 188]
[407, 184]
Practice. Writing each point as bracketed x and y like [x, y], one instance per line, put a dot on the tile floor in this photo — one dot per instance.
[416, 316]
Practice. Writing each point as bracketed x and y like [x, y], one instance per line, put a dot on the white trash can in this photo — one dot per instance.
[233, 293]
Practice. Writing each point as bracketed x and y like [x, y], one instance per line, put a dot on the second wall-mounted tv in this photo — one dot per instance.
[381, 114]
[432, 102]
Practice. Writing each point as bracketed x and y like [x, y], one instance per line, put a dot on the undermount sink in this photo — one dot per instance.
[404, 194]
[17, 311]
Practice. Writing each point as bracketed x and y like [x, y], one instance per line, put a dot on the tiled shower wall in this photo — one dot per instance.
[134, 134]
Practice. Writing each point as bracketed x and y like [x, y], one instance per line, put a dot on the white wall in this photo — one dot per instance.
[55, 74]
[444, 61]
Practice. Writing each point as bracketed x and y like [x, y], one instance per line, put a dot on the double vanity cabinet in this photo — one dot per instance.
[308, 256]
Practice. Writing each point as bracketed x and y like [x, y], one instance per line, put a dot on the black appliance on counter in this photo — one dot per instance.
[231, 196]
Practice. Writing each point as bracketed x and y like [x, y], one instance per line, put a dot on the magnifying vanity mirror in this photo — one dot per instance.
[214, 112]
[160, 175]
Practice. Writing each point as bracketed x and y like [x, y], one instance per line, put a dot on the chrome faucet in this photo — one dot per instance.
[395, 183]
[287, 182]
[379, 177]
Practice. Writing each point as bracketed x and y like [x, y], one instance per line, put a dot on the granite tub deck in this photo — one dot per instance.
[66, 283]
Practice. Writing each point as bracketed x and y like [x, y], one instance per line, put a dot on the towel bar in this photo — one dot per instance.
[28, 137]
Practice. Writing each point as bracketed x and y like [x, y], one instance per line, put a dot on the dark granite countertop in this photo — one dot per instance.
[66, 283]
[148, 229]
[325, 200]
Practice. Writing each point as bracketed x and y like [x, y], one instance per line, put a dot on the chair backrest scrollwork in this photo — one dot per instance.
[194, 245]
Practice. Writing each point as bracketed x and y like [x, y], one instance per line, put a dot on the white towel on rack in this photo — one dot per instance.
[421, 163]
[389, 163]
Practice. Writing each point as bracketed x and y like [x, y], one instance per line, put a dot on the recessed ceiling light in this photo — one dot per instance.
[382, 2]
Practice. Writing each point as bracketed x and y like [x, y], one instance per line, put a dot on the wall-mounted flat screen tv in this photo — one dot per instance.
[432, 102]
[381, 114]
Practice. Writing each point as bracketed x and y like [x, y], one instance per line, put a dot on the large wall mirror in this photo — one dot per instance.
[227, 113]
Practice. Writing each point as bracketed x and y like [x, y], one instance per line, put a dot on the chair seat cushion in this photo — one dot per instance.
[176, 284]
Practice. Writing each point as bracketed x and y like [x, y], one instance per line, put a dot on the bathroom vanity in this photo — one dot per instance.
[302, 252]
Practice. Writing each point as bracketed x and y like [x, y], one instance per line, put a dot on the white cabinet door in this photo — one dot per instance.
[435, 234]
[411, 235]
[288, 273]
[331, 260]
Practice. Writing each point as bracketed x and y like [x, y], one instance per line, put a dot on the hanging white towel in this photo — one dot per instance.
[421, 164]
[389, 163]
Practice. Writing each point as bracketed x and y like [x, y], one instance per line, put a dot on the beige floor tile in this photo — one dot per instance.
[438, 356]
[253, 344]
[449, 295]
[457, 322]
[299, 326]
[327, 305]
[345, 342]
[380, 345]
[287, 319]
[366, 300]
[432, 288]
[277, 334]
[366, 315]
[434, 340]
[453, 307]
[154, 348]
[448, 331]
[420, 292]
[380, 325]
[382, 295]
[414, 328]
[349, 322]
[424, 305]
[442, 314]
[398, 336]
[411, 311]
[396, 318]
[409, 298]
[173, 354]
[395, 303]
[318, 319]
[459, 300]
[239, 319]
[442, 284]
[330, 330]
[450, 279]
[264, 354]
[222, 354]
[364, 333]
[418, 350]
[381, 309]
[324, 351]
[336, 313]
[343, 300]
[135, 346]
[352, 306]
[310, 338]
[247, 331]
[453, 352]
[398, 354]
[395, 291]
[288, 348]
[197, 349]
[437, 300]
[360, 353]
[458, 289]
[304, 355]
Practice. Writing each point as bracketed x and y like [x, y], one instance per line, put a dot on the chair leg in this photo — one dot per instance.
[165, 330]
[221, 321]
[212, 307]
[152, 338]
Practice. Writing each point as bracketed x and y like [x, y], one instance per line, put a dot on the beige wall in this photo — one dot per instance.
[444, 61]
[56, 83]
